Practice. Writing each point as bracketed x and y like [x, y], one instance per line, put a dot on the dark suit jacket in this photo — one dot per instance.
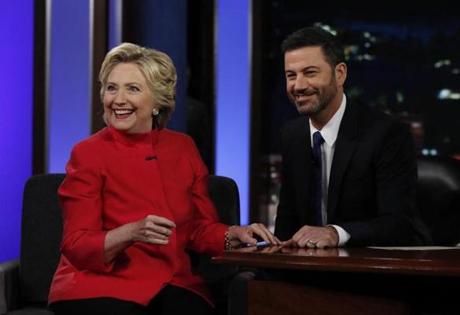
[372, 181]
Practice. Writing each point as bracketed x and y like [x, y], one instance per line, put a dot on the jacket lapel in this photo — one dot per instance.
[302, 159]
[344, 148]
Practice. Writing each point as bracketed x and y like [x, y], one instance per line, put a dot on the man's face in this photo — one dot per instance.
[310, 81]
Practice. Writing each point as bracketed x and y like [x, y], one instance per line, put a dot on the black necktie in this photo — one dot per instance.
[317, 192]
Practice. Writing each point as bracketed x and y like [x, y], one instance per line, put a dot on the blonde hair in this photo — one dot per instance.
[158, 70]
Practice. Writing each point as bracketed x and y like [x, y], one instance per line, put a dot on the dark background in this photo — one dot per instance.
[398, 61]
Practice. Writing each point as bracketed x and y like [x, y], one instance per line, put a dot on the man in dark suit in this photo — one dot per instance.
[349, 172]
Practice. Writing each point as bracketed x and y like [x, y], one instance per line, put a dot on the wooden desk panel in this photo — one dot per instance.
[275, 297]
[418, 262]
[351, 281]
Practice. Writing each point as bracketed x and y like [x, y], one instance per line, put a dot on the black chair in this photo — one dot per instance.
[438, 197]
[24, 284]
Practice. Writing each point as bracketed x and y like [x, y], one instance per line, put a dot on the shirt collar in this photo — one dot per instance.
[331, 128]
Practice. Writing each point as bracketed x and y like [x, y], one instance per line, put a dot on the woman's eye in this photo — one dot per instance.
[133, 89]
[110, 88]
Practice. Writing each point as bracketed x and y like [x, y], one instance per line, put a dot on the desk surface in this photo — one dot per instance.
[439, 262]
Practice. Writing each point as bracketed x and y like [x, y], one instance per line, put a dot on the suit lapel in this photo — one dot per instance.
[345, 146]
[302, 159]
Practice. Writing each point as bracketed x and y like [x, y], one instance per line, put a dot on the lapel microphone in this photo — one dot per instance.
[150, 157]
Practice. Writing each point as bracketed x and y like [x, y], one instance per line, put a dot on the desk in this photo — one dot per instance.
[351, 281]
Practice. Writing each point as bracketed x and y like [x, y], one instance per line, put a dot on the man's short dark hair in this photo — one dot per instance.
[315, 36]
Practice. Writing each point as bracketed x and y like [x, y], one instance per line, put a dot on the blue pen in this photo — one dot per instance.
[259, 244]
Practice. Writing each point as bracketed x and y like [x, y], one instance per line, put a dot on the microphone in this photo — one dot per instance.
[150, 157]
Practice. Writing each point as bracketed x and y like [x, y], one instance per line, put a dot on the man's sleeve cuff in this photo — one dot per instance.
[343, 235]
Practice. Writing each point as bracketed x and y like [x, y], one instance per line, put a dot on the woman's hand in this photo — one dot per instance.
[238, 235]
[152, 229]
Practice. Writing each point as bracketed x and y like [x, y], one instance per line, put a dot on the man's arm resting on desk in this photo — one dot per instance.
[320, 237]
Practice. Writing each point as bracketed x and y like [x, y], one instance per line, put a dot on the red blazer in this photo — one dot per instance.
[115, 178]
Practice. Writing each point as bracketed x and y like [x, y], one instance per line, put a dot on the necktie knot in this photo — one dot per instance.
[317, 139]
[317, 142]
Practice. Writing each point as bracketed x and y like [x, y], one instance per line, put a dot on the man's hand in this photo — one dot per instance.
[314, 237]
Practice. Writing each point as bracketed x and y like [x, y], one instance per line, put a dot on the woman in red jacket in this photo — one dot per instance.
[135, 199]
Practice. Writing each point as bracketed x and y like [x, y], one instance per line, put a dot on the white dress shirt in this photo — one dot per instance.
[329, 133]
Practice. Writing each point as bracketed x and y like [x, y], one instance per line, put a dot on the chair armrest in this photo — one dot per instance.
[216, 276]
[238, 292]
[9, 285]
[209, 271]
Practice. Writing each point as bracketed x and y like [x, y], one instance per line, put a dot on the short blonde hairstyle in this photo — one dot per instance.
[157, 68]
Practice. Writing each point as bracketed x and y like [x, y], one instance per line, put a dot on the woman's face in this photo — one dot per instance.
[128, 102]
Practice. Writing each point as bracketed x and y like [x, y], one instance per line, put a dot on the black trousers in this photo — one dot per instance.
[170, 300]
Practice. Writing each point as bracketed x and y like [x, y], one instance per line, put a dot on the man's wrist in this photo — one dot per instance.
[343, 235]
[335, 233]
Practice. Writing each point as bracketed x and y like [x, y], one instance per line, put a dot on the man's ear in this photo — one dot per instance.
[340, 73]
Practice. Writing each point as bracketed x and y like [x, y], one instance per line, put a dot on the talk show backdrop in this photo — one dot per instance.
[404, 62]
[16, 99]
